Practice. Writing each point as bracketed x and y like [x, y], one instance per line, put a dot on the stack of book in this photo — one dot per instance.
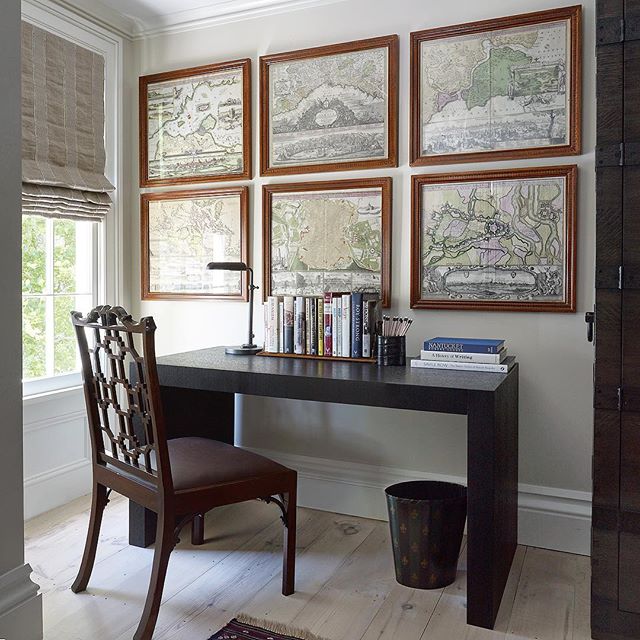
[465, 354]
[339, 325]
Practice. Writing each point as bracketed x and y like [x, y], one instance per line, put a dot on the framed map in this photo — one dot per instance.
[494, 240]
[497, 89]
[330, 108]
[327, 236]
[184, 230]
[195, 125]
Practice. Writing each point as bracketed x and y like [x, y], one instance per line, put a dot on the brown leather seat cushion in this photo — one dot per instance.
[200, 462]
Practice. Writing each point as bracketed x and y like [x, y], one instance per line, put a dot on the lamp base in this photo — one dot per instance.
[243, 350]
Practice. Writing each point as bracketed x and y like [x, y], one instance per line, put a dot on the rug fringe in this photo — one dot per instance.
[277, 627]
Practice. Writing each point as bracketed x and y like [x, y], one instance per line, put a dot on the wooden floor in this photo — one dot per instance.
[345, 583]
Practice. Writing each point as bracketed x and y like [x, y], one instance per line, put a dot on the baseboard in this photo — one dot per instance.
[53, 488]
[20, 606]
[549, 518]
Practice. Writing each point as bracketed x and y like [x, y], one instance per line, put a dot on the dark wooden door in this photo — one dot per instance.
[615, 596]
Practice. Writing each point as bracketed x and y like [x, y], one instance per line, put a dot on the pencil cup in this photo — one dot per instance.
[392, 350]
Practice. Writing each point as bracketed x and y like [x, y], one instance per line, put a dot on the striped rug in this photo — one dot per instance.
[248, 628]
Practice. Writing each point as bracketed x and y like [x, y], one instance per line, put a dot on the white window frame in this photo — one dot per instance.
[110, 251]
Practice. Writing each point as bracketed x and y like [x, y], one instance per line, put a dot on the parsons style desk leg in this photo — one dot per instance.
[187, 412]
[492, 471]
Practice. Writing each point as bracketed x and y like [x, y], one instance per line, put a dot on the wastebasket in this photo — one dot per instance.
[427, 523]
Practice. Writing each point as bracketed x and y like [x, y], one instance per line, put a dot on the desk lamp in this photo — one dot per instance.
[249, 348]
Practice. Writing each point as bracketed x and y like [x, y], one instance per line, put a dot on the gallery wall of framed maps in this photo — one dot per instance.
[507, 88]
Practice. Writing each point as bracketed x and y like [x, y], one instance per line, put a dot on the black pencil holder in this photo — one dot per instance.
[392, 350]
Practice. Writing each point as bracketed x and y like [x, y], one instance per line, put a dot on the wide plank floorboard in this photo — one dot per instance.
[345, 585]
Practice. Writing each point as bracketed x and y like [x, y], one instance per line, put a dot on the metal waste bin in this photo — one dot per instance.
[427, 523]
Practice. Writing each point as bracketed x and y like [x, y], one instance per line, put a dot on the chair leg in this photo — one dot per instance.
[165, 542]
[197, 530]
[99, 501]
[289, 546]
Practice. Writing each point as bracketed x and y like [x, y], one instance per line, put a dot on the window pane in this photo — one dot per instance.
[64, 349]
[33, 338]
[34, 275]
[64, 256]
[72, 256]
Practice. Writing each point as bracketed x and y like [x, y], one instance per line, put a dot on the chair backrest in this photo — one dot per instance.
[122, 394]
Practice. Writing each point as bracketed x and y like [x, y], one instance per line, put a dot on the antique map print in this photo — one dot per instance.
[326, 241]
[186, 234]
[495, 90]
[500, 240]
[194, 126]
[329, 108]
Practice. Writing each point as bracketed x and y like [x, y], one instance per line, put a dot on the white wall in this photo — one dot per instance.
[555, 359]
[20, 607]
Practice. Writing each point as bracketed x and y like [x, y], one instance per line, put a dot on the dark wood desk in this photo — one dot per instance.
[198, 393]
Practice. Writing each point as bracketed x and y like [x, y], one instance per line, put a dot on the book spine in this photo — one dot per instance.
[288, 324]
[484, 358]
[346, 325]
[338, 336]
[460, 366]
[461, 346]
[373, 307]
[298, 327]
[366, 329]
[328, 314]
[312, 326]
[320, 323]
[265, 316]
[280, 326]
[307, 335]
[272, 323]
[356, 325]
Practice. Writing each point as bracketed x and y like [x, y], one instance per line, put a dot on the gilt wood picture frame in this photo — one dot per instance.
[500, 240]
[497, 89]
[330, 108]
[327, 236]
[181, 231]
[195, 125]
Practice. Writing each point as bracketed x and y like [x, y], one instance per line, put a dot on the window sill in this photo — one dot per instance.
[37, 391]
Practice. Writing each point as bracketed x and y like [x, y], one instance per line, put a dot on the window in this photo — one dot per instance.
[59, 274]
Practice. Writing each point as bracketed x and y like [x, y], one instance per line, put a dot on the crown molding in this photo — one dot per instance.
[223, 13]
[85, 12]
[217, 13]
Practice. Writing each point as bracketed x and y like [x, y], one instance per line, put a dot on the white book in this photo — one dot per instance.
[298, 326]
[272, 324]
[334, 326]
[465, 366]
[451, 356]
[281, 326]
[265, 315]
[346, 325]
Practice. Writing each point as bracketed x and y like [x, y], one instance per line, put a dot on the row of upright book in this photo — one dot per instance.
[341, 325]
[465, 354]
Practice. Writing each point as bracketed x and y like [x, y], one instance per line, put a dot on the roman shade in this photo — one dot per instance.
[63, 155]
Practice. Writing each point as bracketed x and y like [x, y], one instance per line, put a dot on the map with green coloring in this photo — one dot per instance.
[495, 90]
[498, 240]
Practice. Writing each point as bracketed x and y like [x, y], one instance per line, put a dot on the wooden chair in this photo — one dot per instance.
[179, 479]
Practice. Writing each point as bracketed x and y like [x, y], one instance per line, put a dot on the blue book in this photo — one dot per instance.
[467, 345]
[356, 325]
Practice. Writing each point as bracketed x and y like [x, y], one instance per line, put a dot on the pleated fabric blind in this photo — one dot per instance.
[63, 154]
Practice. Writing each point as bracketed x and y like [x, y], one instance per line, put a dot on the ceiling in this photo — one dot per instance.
[142, 18]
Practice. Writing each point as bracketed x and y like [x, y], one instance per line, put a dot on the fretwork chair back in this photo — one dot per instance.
[178, 479]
